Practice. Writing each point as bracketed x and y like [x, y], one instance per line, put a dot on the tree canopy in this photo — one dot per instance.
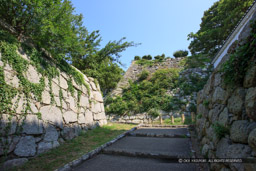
[217, 23]
[52, 26]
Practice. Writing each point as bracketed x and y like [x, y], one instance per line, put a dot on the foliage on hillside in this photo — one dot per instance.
[217, 23]
[195, 61]
[146, 94]
[52, 25]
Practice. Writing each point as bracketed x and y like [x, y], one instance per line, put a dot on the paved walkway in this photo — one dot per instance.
[149, 149]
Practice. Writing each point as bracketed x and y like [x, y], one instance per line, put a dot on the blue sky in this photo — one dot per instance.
[161, 26]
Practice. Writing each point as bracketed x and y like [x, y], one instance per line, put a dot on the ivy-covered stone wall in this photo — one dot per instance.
[42, 103]
[226, 117]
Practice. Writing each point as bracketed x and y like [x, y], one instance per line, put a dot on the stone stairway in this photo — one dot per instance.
[146, 148]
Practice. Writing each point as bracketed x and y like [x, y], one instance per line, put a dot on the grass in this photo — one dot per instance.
[177, 121]
[75, 148]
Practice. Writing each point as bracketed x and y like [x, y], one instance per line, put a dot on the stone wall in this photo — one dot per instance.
[226, 118]
[49, 122]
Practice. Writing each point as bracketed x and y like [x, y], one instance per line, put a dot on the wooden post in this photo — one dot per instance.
[183, 118]
[161, 119]
[172, 119]
[193, 116]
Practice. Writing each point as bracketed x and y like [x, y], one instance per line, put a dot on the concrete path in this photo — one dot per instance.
[144, 149]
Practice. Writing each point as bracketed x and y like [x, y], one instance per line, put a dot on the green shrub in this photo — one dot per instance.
[180, 53]
[235, 67]
[220, 130]
[153, 113]
[206, 103]
[199, 116]
[143, 75]
[136, 58]
[141, 96]
[147, 57]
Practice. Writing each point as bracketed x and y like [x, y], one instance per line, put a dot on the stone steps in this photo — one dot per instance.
[147, 148]
[105, 162]
[158, 136]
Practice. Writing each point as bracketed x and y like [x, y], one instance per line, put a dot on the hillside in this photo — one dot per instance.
[156, 88]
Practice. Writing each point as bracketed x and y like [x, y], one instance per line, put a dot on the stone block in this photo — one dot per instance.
[51, 134]
[93, 85]
[84, 101]
[236, 101]
[81, 119]
[46, 98]
[32, 125]
[11, 79]
[219, 96]
[238, 151]
[57, 101]
[26, 147]
[68, 133]
[14, 163]
[222, 148]
[63, 82]
[252, 139]
[96, 108]
[52, 114]
[250, 77]
[32, 75]
[217, 79]
[55, 89]
[88, 117]
[72, 104]
[97, 96]
[250, 103]
[99, 116]
[203, 110]
[240, 131]
[70, 117]
[214, 113]
[5, 120]
[224, 117]
[45, 146]
[33, 108]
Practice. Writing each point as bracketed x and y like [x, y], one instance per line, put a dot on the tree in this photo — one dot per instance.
[52, 25]
[180, 53]
[102, 64]
[47, 24]
[217, 23]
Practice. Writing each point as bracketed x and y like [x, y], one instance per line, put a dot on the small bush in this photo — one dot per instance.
[153, 112]
[220, 130]
[159, 58]
[136, 58]
[199, 116]
[180, 53]
[147, 57]
[206, 103]
[143, 75]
